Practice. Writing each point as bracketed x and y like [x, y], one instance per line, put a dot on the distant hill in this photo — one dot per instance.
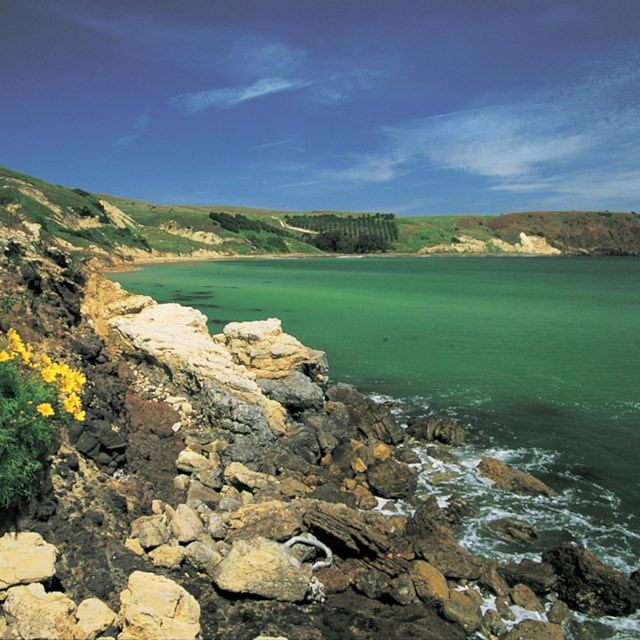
[117, 229]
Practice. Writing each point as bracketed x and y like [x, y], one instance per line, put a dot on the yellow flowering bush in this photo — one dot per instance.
[36, 395]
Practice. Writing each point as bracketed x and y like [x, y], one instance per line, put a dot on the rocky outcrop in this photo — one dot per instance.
[510, 479]
[528, 245]
[589, 586]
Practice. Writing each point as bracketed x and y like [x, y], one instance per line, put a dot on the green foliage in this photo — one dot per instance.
[238, 222]
[366, 233]
[27, 438]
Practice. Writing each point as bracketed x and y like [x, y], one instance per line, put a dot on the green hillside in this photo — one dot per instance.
[116, 228]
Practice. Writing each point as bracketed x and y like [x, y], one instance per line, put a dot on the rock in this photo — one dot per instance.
[177, 339]
[392, 479]
[190, 461]
[535, 630]
[540, 576]
[24, 558]
[510, 479]
[372, 583]
[264, 568]
[490, 578]
[466, 614]
[524, 597]
[186, 525]
[364, 498]
[38, 614]
[271, 519]
[334, 580]
[156, 607]
[267, 352]
[296, 392]
[591, 587]
[238, 475]
[433, 541]
[94, 617]
[152, 531]
[437, 429]
[514, 530]
[559, 612]
[202, 557]
[429, 583]
[401, 590]
[167, 555]
[373, 420]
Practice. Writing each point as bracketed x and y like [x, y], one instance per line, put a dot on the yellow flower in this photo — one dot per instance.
[45, 409]
[79, 415]
[48, 373]
[72, 403]
[4, 356]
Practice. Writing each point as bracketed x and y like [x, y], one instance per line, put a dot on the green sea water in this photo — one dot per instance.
[538, 357]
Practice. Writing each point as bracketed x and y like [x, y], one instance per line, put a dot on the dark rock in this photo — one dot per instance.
[341, 430]
[374, 421]
[432, 540]
[591, 587]
[87, 442]
[296, 392]
[392, 479]
[540, 576]
[371, 583]
[466, 614]
[439, 429]
[514, 530]
[111, 439]
[330, 492]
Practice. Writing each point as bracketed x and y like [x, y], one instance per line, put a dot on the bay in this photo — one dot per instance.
[538, 357]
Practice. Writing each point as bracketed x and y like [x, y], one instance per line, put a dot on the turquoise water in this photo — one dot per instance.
[538, 357]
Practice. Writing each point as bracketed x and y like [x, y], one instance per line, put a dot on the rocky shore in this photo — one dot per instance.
[222, 487]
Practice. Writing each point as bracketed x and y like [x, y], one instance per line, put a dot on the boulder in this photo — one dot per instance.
[524, 597]
[535, 630]
[540, 576]
[467, 614]
[374, 421]
[392, 479]
[94, 617]
[589, 586]
[429, 583]
[504, 477]
[437, 429]
[186, 525]
[156, 607]
[24, 558]
[296, 392]
[271, 519]
[152, 531]
[267, 352]
[167, 555]
[514, 530]
[264, 568]
[433, 541]
[37, 614]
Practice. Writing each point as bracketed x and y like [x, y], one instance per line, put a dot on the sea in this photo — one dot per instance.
[537, 357]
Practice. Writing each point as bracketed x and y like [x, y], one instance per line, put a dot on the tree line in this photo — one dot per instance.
[348, 234]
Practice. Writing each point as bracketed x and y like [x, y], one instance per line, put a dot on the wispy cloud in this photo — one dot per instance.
[231, 96]
[572, 141]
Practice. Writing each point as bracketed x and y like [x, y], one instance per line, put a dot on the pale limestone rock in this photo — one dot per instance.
[94, 617]
[265, 568]
[167, 555]
[25, 557]
[133, 544]
[186, 525]
[191, 461]
[152, 531]
[239, 475]
[37, 614]
[177, 338]
[155, 607]
[272, 519]
[266, 350]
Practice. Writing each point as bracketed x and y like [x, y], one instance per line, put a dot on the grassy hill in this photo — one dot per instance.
[119, 228]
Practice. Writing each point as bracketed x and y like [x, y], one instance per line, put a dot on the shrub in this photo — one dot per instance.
[36, 396]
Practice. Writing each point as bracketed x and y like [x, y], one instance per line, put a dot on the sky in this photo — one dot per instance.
[416, 107]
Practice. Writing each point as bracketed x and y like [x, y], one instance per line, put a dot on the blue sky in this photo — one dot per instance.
[416, 107]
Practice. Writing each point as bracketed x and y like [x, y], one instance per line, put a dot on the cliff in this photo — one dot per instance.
[221, 487]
